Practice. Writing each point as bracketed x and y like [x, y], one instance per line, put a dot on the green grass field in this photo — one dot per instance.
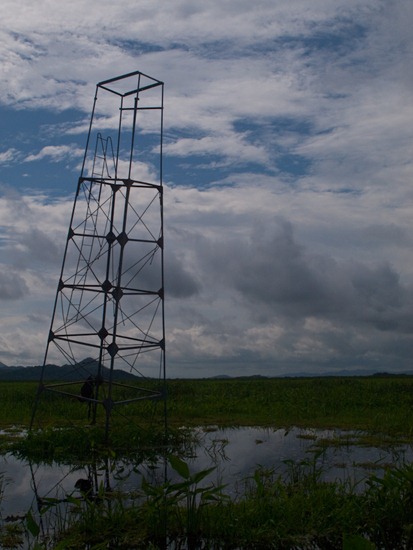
[378, 404]
[372, 404]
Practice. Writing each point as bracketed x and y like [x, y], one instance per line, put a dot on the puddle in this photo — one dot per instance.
[25, 484]
[235, 454]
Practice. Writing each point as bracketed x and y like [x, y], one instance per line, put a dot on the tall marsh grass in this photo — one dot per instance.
[369, 403]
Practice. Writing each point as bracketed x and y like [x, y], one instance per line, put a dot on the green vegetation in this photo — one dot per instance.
[298, 511]
[369, 403]
[378, 405]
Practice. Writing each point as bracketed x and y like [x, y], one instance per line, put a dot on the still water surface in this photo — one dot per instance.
[235, 454]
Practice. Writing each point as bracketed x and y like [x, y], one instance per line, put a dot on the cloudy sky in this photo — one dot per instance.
[287, 171]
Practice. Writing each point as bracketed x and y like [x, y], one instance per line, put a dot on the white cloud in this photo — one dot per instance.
[305, 266]
[8, 156]
[56, 153]
[229, 146]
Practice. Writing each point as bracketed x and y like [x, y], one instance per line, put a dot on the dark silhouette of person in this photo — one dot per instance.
[87, 391]
[85, 487]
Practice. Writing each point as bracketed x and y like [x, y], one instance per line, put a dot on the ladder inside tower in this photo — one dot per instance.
[92, 244]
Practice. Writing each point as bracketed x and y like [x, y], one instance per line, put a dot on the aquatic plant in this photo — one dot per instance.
[299, 512]
[182, 504]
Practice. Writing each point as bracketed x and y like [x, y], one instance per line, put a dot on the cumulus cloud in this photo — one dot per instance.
[245, 291]
[180, 282]
[278, 278]
[288, 124]
[36, 247]
[265, 295]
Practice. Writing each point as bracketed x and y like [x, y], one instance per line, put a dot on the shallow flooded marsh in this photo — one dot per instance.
[234, 461]
[257, 463]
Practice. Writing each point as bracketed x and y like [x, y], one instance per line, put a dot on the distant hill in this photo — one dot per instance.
[80, 371]
[344, 373]
[88, 367]
[327, 374]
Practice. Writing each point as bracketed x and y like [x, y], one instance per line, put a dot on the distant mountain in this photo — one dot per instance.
[227, 377]
[79, 371]
[327, 374]
[343, 373]
[2, 365]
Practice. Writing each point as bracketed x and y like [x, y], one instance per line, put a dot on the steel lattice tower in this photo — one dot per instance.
[108, 315]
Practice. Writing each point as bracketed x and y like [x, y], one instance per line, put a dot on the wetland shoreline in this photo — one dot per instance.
[301, 509]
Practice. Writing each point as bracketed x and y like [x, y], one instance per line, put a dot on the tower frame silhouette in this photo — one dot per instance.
[109, 316]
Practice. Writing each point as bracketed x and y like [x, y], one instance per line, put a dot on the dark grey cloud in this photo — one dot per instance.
[12, 286]
[275, 269]
[179, 281]
[278, 278]
[40, 247]
[384, 235]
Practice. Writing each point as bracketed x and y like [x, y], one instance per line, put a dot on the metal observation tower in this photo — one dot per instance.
[108, 318]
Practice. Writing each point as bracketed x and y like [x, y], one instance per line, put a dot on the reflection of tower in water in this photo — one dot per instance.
[65, 494]
[108, 319]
